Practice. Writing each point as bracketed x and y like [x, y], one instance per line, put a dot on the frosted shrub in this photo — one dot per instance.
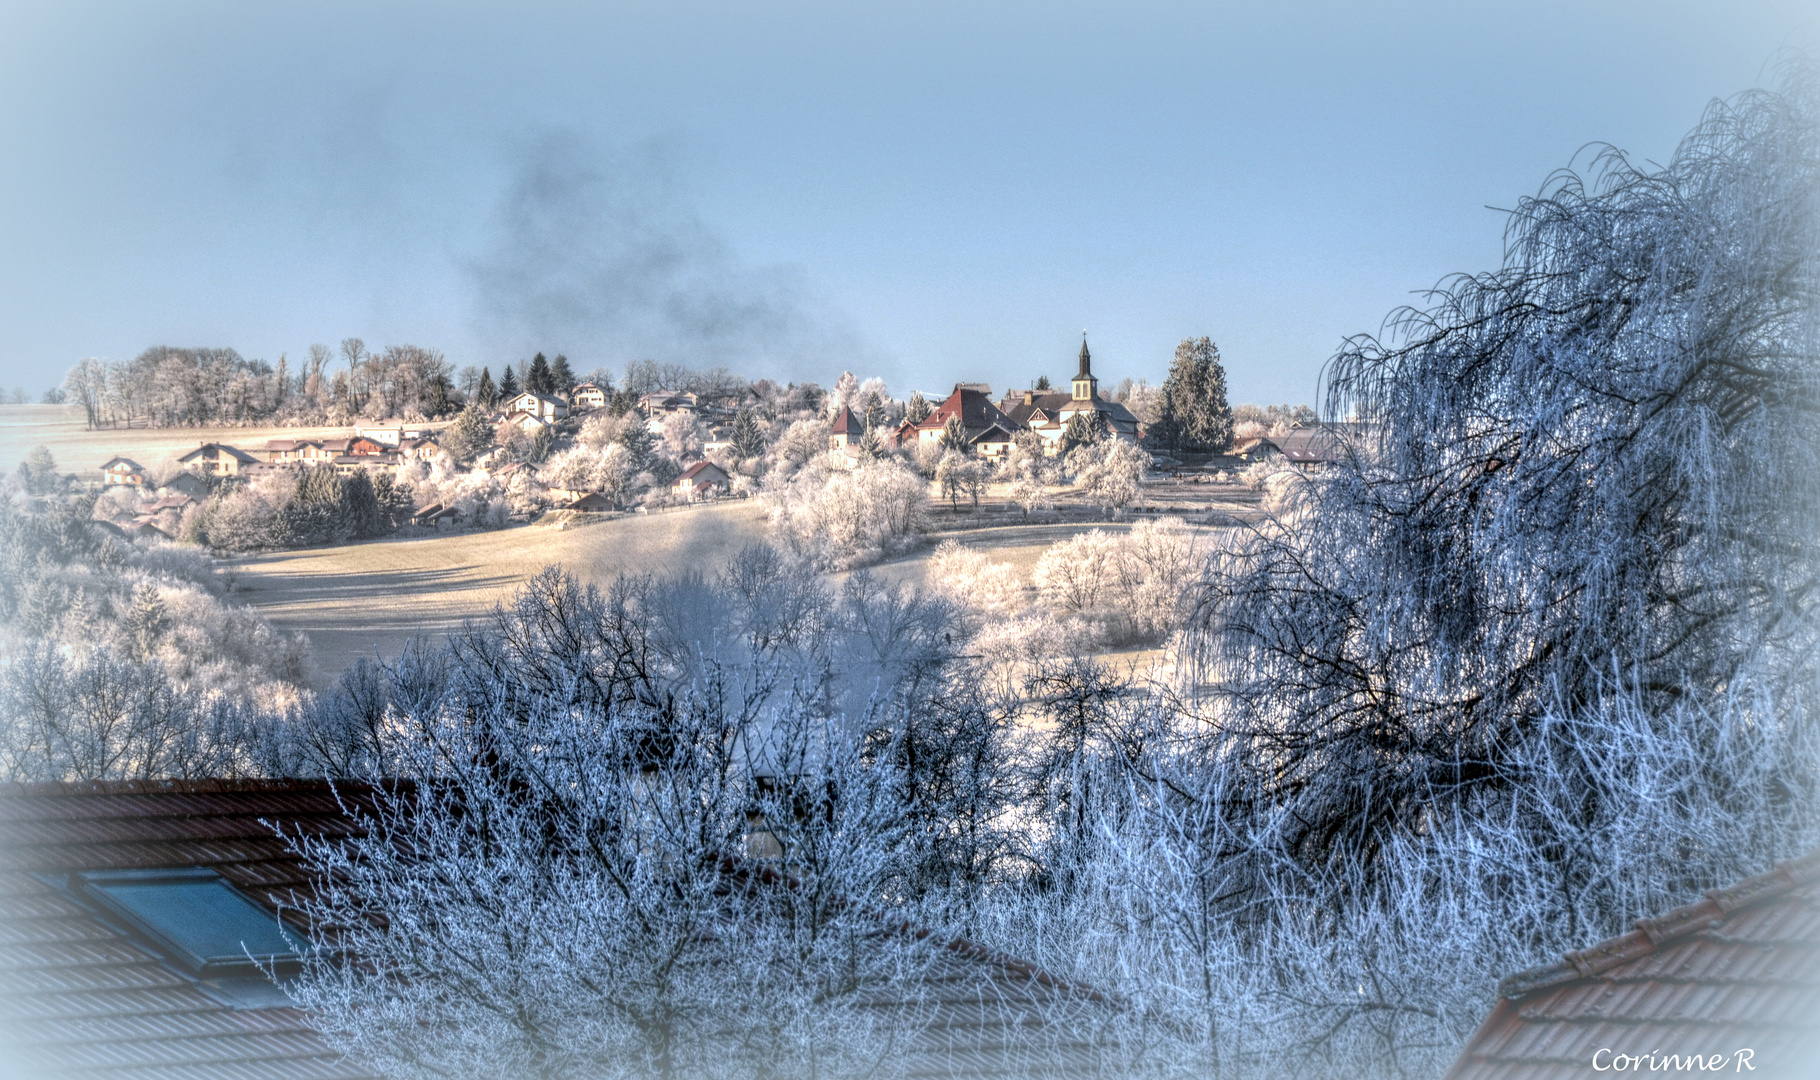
[974, 583]
[1074, 573]
[1259, 473]
[1110, 474]
[847, 517]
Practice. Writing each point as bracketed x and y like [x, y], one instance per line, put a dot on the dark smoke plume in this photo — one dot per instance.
[600, 255]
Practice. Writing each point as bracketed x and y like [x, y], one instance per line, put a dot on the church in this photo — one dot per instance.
[1048, 413]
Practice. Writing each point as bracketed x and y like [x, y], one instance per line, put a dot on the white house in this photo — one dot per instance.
[542, 406]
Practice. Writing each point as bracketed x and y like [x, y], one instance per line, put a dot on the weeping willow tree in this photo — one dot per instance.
[1591, 471]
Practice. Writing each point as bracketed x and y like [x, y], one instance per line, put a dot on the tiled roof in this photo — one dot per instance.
[973, 407]
[220, 450]
[845, 423]
[1021, 407]
[1740, 969]
[80, 996]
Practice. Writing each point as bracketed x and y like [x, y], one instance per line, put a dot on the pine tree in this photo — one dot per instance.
[38, 473]
[748, 438]
[1084, 429]
[394, 500]
[871, 444]
[508, 384]
[538, 379]
[875, 410]
[437, 398]
[918, 410]
[1042, 383]
[562, 380]
[145, 620]
[954, 434]
[360, 511]
[486, 395]
[636, 438]
[1193, 413]
[468, 437]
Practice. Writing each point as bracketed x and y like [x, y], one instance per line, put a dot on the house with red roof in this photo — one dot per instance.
[979, 418]
[123, 472]
[700, 481]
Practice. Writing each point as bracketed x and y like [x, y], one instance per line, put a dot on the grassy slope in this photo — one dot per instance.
[359, 599]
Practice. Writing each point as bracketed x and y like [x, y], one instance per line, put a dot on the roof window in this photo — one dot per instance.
[199, 919]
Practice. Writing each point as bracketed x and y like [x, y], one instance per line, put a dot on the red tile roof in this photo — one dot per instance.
[1740, 969]
[79, 996]
[692, 472]
[975, 409]
[845, 423]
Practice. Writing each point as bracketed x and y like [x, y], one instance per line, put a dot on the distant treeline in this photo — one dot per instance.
[171, 387]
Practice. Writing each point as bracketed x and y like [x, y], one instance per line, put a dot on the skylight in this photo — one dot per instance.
[197, 916]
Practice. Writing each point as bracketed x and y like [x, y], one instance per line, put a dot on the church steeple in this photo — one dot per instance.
[1086, 387]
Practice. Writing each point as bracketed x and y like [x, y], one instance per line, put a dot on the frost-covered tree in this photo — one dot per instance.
[1598, 465]
[1112, 475]
[747, 437]
[470, 435]
[847, 517]
[1191, 413]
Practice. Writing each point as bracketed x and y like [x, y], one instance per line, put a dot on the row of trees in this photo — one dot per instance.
[172, 387]
[315, 506]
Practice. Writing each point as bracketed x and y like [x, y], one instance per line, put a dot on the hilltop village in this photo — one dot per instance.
[562, 456]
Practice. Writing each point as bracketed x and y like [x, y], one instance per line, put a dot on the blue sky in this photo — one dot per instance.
[931, 192]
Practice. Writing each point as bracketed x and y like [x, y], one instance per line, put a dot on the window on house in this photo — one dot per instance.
[197, 917]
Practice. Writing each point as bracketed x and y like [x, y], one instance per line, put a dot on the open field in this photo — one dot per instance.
[360, 599]
[83, 452]
[368, 599]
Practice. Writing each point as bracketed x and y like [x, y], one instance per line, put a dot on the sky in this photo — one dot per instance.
[931, 192]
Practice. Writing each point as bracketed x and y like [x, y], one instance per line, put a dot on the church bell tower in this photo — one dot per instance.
[1086, 387]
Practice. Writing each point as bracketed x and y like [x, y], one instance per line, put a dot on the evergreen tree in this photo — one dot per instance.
[315, 514]
[145, 620]
[918, 410]
[538, 379]
[954, 435]
[875, 410]
[871, 444]
[562, 380]
[437, 398]
[394, 501]
[1042, 383]
[468, 437]
[1084, 429]
[38, 473]
[637, 440]
[622, 402]
[508, 384]
[748, 438]
[360, 514]
[1193, 414]
[486, 395]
